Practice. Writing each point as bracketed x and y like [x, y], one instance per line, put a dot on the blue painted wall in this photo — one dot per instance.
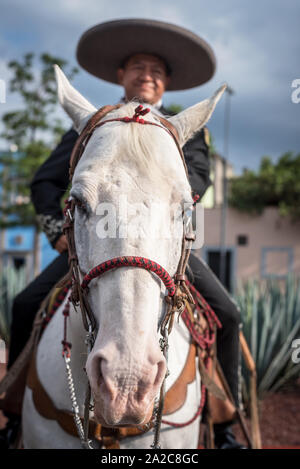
[21, 239]
[47, 252]
[26, 233]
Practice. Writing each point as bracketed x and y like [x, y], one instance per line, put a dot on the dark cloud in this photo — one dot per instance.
[257, 47]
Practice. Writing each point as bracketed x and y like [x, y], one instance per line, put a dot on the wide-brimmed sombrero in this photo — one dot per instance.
[102, 50]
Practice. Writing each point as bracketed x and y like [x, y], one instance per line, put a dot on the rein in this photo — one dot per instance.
[178, 291]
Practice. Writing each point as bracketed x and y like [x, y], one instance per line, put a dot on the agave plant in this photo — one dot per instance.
[271, 321]
[12, 281]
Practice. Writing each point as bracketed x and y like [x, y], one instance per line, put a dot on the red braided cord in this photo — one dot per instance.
[207, 309]
[139, 111]
[131, 261]
[196, 198]
[205, 341]
[200, 339]
[58, 301]
[197, 414]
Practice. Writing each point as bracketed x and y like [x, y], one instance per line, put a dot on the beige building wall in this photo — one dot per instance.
[273, 246]
[273, 241]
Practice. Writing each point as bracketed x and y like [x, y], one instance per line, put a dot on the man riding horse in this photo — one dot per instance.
[147, 58]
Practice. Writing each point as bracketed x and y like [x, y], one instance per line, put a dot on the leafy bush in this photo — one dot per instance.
[12, 281]
[271, 321]
[274, 184]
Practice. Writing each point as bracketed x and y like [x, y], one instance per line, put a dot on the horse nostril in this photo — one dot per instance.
[104, 383]
[100, 378]
[111, 381]
[152, 382]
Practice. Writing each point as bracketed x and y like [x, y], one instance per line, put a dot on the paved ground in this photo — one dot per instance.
[280, 418]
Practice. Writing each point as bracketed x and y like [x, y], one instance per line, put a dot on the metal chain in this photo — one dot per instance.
[164, 348]
[82, 430]
[89, 341]
[86, 444]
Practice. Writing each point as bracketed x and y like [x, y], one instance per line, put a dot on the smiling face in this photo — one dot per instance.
[144, 77]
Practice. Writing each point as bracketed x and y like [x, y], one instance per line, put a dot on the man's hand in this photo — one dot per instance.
[61, 244]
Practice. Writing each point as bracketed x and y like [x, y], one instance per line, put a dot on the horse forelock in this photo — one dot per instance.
[144, 150]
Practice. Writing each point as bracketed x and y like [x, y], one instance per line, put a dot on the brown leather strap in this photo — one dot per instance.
[24, 357]
[173, 131]
[94, 121]
[209, 381]
[86, 134]
[110, 438]
[45, 406]
[176, 395]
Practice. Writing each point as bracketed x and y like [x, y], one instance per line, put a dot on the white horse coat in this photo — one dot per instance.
[134, 173]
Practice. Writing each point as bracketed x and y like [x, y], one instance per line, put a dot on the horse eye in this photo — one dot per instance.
[80, 204]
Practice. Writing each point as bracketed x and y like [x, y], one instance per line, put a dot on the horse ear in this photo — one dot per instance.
[195, 117]
[75, 105]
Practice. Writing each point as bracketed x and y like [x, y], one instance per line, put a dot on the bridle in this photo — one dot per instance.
[178, 291]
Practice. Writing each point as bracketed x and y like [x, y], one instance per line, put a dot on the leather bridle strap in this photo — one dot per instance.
[178, 290]
[85, 135]
[91, 126]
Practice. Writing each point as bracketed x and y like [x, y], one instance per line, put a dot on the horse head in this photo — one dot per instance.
[130, 188]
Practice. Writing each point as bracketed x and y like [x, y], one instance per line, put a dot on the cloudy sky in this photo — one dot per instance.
[257, 45]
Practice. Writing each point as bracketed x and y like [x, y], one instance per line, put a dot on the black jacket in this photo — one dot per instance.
[52, 178]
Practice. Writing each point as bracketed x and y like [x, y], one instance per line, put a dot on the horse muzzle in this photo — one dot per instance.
[124, 396]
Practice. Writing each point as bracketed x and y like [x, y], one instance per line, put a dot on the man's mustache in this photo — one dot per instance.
[140, 83]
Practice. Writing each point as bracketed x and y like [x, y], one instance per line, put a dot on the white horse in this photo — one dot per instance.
[139, 165]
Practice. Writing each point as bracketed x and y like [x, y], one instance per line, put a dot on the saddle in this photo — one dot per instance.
[24, 372]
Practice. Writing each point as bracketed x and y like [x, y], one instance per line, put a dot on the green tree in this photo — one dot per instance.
[33, 131]
[274, 184]
[174, 108]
